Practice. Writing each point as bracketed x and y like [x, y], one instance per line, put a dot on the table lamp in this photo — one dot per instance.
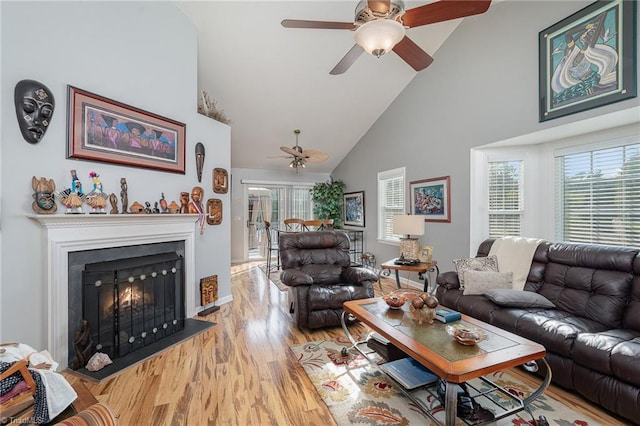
[408, 225]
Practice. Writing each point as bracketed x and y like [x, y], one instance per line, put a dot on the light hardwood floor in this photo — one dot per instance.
[240, 372]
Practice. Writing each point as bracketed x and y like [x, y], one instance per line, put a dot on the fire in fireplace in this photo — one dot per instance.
[131, 303]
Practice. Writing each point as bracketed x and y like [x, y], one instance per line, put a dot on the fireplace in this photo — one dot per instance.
[127, 303]
[69, 235]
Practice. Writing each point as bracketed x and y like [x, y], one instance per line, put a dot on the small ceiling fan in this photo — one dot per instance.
[380, 25]
[300, 157]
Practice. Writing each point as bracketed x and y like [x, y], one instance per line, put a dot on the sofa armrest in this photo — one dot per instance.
[97, 415]
[358, 275]
[448, 280]
[295, 277]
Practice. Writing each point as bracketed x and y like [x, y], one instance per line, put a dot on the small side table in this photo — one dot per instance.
[421, 268]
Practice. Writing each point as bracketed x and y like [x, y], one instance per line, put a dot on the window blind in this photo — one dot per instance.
[505, 198]
[598, 196]
[391, 201]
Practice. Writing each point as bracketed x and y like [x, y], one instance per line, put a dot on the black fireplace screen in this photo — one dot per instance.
[131, 303]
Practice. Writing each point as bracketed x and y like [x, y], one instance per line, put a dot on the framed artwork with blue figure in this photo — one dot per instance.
[105, 130]
[431, 198]
[353, 205]
[588, 59]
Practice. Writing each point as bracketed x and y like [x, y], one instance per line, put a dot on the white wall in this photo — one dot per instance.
[481, 88]
[143, 54]
[240, 209]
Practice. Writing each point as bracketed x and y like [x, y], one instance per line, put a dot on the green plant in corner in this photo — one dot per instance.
[327, 201]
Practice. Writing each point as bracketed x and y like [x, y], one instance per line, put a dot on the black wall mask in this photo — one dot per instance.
[34, 108]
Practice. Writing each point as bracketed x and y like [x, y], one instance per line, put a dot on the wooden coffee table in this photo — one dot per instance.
[431, 346]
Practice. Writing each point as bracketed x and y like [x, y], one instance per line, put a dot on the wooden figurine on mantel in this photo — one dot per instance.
[124, 197]
[73, 197]
[45, 202]
[97, 198]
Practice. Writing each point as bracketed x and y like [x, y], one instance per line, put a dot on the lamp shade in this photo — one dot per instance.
[405, 224]
[379, 36]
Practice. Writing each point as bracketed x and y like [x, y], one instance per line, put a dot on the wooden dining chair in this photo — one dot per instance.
[294, 225]
[313, 225]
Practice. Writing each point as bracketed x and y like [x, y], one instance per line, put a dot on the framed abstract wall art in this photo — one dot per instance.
[354, 208]
[101, 129]
[431, 198]
[588, 59]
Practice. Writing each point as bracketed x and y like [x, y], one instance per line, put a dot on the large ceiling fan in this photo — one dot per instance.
[300, 157]
[379, 26]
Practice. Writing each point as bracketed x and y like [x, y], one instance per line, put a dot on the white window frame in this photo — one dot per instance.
[383, 176]
[614, 140]
[539, 219]
[531, 224]
[512, 212]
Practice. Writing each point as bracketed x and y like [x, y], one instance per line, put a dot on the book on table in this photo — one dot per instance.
[447, 315]
[409, 373]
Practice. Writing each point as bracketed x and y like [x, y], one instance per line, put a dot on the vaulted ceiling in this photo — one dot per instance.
[270, 80]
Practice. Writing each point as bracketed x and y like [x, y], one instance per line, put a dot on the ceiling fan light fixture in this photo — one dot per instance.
[379, 36]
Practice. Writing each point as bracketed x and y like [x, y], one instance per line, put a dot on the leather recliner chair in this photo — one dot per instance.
[316, 265]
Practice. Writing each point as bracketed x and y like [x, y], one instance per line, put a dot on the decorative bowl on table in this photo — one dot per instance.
[395, 300]
[465, 335]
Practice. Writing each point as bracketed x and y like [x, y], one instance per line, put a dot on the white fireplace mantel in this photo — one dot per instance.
[66, 233]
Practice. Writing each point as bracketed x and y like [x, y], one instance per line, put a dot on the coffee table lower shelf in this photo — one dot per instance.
[484, 391]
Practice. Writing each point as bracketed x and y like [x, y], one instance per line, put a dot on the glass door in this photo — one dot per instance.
[263, 205]
[273, 203]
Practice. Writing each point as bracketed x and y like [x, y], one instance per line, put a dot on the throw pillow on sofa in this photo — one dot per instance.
[479, 282]
[489, 263]
[518, 299]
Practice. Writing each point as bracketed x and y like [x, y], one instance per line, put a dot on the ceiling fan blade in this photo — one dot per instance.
[443, 10]
[347, 60]
[381, 6]
[291, 151]
[297, 23]
[314, 156]
[412, 54]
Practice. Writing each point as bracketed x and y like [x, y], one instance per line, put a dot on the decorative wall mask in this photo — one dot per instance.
[220, 181]
[34, 108]
[199, 160]
[44, 195]
[214, 211]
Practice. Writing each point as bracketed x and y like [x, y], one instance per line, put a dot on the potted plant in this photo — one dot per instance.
[327, 199]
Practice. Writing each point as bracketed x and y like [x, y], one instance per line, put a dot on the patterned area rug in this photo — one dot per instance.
[356, 391]
[274, 278]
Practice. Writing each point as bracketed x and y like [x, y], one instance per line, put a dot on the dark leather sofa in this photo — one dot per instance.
[592, 336]
[316, 265]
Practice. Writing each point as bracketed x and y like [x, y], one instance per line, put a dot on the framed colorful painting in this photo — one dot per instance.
[354, 208]
[431, 198]
[101, 129]
[588, 59]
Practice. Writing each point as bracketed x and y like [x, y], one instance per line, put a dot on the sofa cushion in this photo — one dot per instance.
[555, 330]
[625, 361]
[479, 282]
[321, 297]
[518, 299]
[323, 273]
[590, 280]
[489, 263]
[593, 350]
